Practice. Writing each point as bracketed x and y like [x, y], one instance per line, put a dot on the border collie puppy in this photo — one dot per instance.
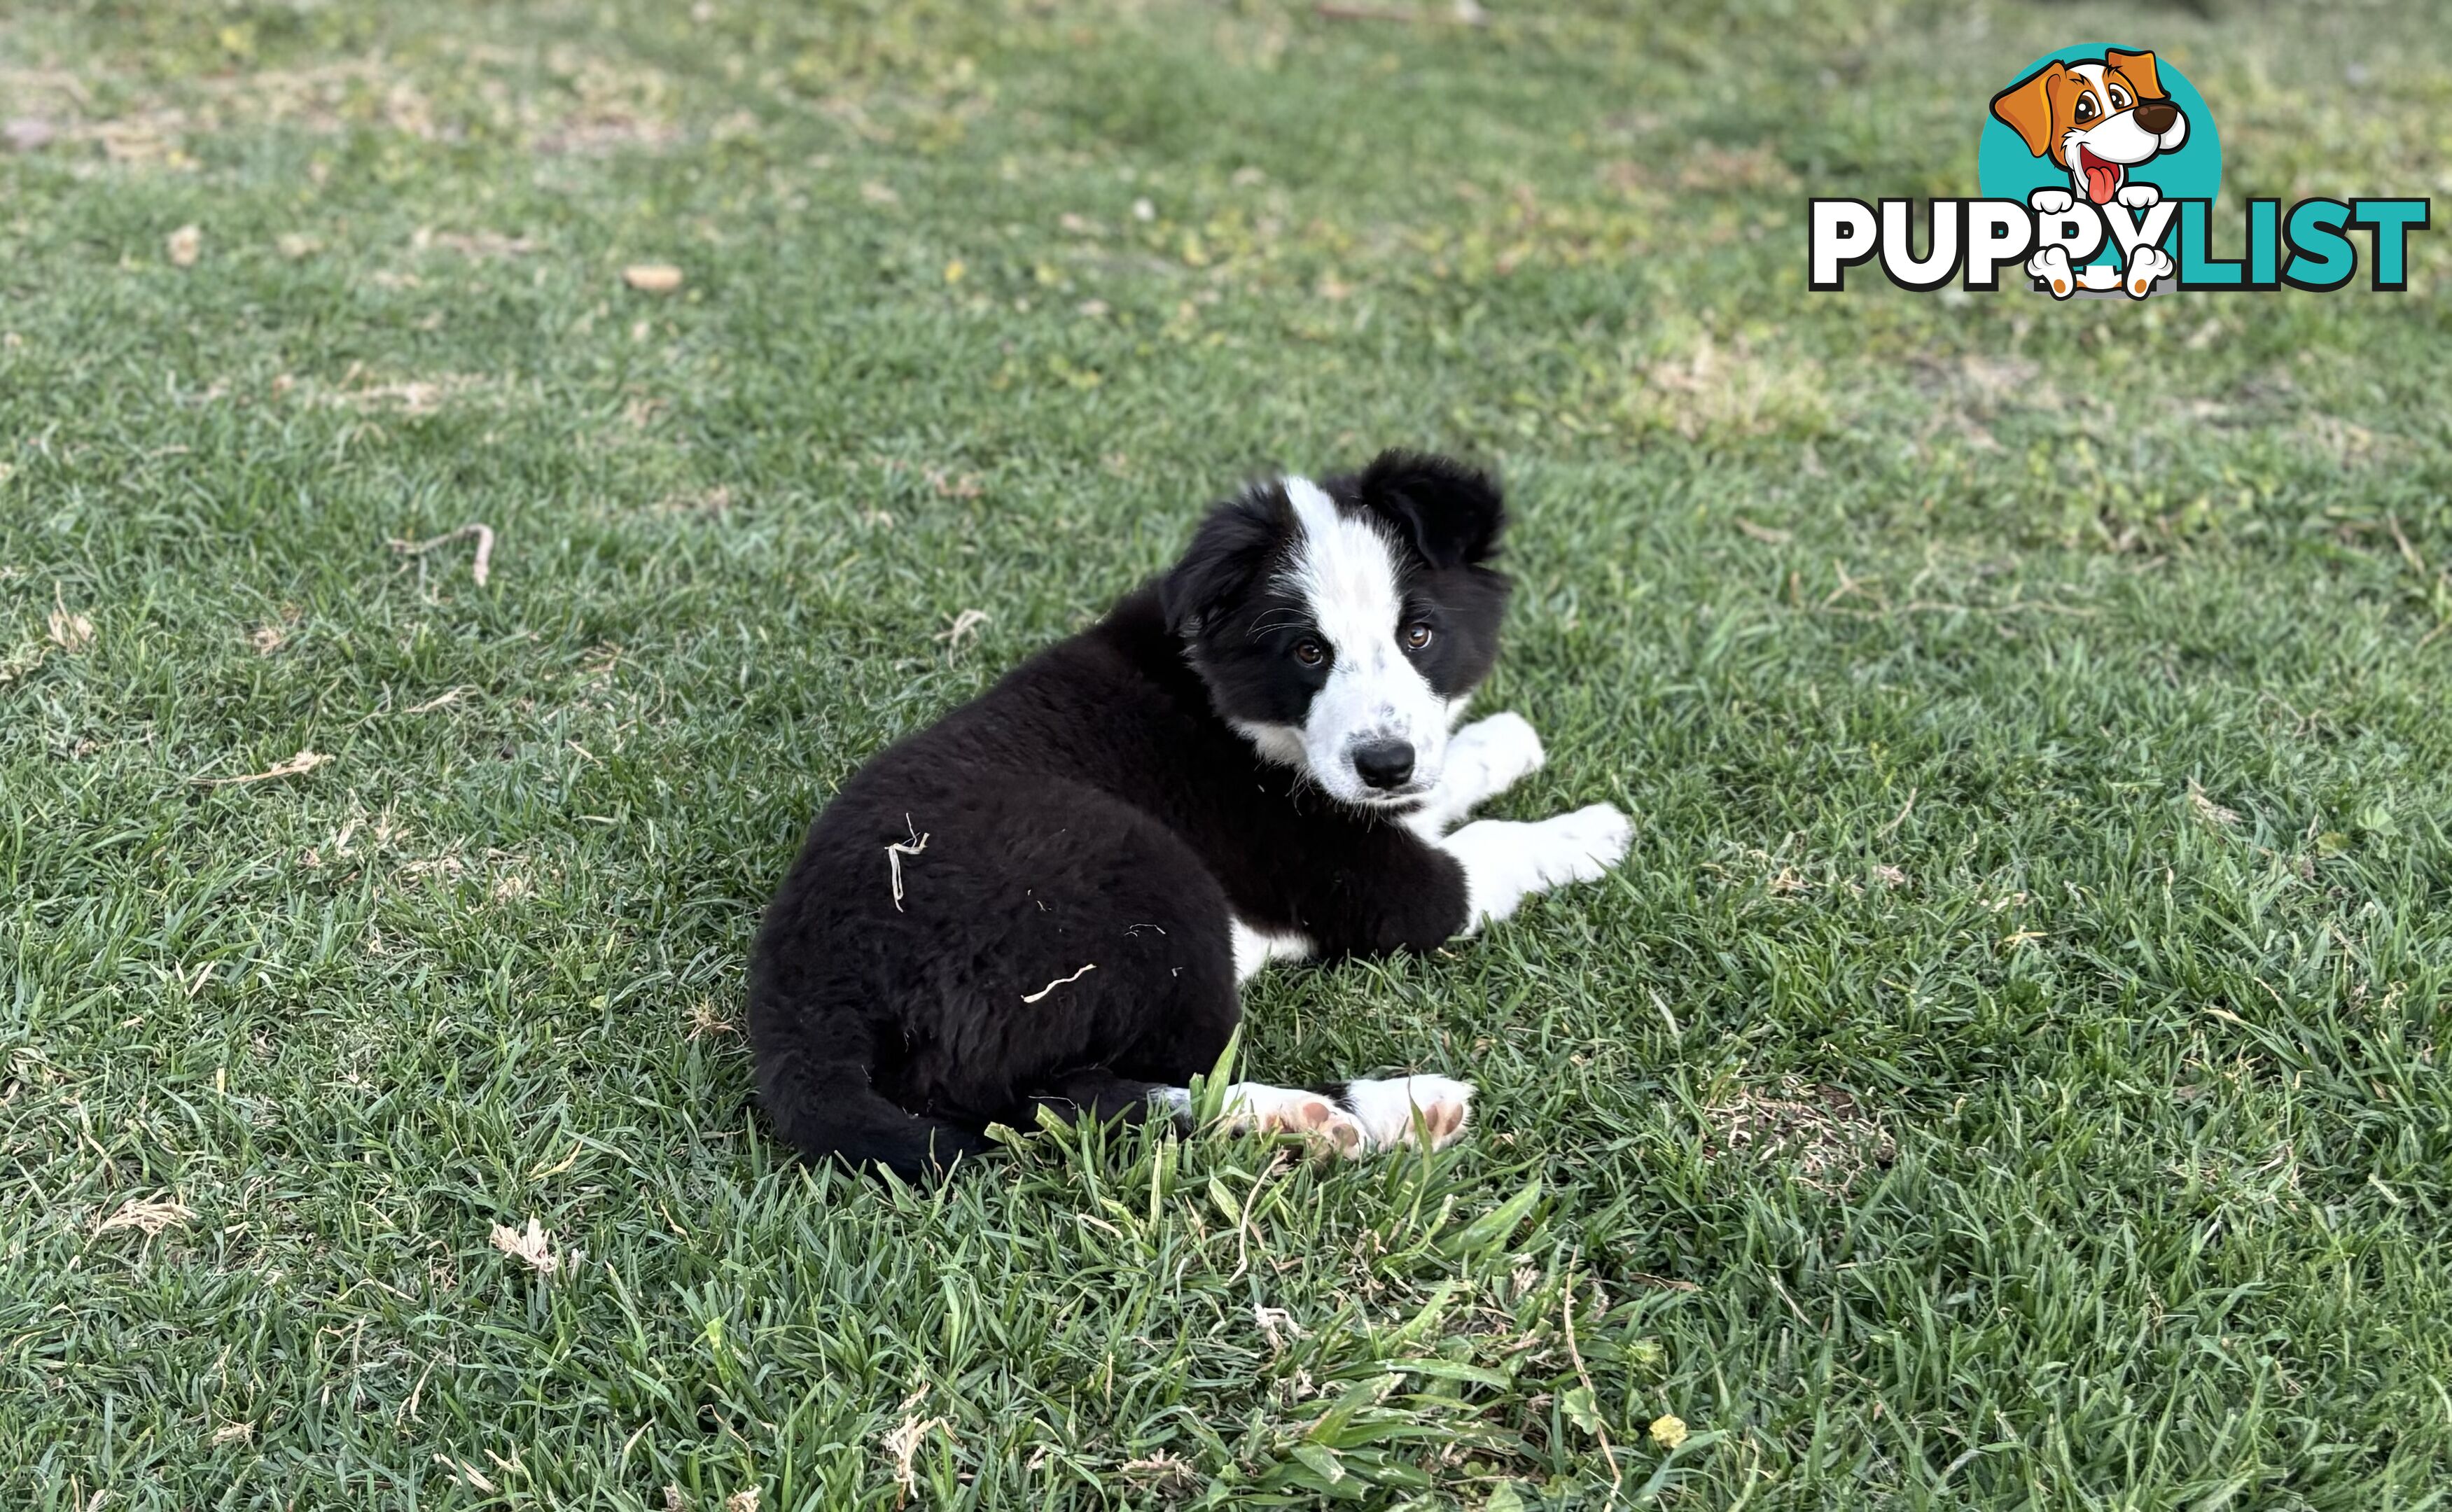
[1047, 898]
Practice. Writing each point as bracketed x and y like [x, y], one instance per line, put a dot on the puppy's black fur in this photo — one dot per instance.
[1096, 808]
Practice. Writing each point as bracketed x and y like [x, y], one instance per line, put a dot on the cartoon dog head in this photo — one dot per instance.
[2097, 118]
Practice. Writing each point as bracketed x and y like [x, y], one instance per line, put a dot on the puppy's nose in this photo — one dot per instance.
[1384, 763]
[2156, 116]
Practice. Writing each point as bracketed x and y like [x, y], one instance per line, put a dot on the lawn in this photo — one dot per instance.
[2008, 1073]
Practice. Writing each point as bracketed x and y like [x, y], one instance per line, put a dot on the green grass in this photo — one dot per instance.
[2009, 1072]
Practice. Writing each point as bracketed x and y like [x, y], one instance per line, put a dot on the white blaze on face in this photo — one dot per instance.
[2113, 136]
[1344, 571]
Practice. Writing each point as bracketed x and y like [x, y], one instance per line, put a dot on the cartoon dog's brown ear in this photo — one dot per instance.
[2025, 107]
[2138, 68]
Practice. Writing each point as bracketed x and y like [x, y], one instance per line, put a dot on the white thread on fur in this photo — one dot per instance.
[1507, 862]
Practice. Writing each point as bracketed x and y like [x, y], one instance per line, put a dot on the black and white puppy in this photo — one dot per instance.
[1048, 897]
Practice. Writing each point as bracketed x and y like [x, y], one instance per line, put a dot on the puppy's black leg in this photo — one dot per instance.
[1099, 1095]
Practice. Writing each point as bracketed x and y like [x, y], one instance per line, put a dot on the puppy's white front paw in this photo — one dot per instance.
[1582, 846]
[1505, 862]
[1399, 1110]
[2138, 196]
[2050, 202]
[1502, 751]
[1256, 1106]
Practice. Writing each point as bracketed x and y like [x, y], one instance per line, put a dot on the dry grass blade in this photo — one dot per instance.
[478, 567]
[532, 1245]
[895, 852]
[967, 623]
[151, 1215]
[302, 762]
[1821, 1129]
[902, 1445]
[70, 631]
[652, 278]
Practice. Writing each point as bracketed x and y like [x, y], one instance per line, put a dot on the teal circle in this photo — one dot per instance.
[2005, 170]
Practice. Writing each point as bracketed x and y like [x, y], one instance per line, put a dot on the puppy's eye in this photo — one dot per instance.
[2120, 100]
[1309, 653]
[2085, 110]
[1418, 634]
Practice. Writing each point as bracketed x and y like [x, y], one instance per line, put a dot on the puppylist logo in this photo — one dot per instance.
[2099, 168]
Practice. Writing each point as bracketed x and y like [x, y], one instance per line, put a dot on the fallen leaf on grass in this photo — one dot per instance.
[304, 762]
[1162, 1469]
[1765, 534]
[28, 132]
[234, 1433]
[652, 278]
[2206, 809]
[70, 631]
[904, 1444]
[152, 1214]
[478, 567]
[676, 1500]
[533, 1245]
[744, 1500]
[184, 245]
[965, 623]
[474, 245]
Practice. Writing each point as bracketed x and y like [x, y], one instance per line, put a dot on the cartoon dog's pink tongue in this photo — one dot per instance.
[2101, 179]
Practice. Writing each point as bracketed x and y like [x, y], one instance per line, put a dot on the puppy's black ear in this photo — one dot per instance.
[1231, 548]
[1450, 513]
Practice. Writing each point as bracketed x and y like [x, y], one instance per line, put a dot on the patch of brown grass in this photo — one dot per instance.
[1822, 1129]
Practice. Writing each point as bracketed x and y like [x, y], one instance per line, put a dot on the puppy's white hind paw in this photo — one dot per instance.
[2147, 265]
[1256, 1106]
[2138, 196]
[1401, 1110]
[2050, 202]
